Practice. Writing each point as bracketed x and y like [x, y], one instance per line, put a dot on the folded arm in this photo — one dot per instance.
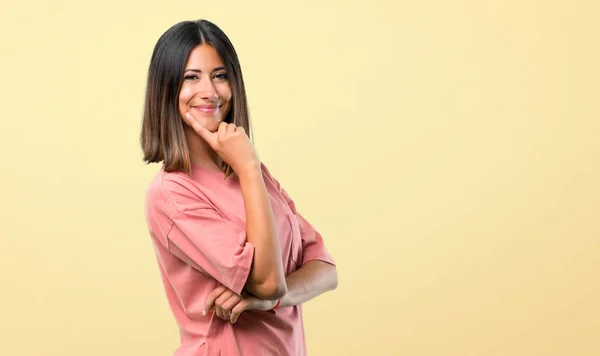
[311, 280]
[308, 282]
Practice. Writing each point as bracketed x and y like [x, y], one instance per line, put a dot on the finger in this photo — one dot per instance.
[231, 128]
[238, 309]
[219, 313]
[225, 314]
[226, 301]
[221, 300]
[232, 302]
[200, 130]
[212, 297]
[222, 132]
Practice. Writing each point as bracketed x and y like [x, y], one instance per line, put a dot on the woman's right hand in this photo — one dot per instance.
[230, 142]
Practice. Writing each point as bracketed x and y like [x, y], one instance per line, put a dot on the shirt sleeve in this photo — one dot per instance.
[203, 238]
[313, 245]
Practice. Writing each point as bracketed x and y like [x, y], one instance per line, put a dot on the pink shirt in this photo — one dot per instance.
[198, 228]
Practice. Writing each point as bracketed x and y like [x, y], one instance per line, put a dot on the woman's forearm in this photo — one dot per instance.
[267, 278]
[311, 280]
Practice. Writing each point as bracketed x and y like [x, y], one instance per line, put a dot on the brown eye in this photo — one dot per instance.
[221, 76]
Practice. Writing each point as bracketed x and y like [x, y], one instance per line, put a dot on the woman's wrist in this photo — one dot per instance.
[249, 170]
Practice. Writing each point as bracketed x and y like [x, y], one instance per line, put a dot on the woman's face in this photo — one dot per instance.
[205, 91]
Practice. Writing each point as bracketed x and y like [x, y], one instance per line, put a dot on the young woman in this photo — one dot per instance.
[236, 259]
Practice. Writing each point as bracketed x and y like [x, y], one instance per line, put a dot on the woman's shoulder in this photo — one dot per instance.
[168, 181]
[172, 191]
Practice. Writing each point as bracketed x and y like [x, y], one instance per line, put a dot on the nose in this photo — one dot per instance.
[207, 89]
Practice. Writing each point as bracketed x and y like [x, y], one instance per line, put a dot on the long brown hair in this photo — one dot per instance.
[162, 136]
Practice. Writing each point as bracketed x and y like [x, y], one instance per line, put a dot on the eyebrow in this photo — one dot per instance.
[199, 71]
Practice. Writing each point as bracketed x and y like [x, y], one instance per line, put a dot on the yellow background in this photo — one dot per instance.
[447, 150]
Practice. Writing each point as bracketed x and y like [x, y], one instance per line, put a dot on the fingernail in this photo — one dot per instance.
[203, 312]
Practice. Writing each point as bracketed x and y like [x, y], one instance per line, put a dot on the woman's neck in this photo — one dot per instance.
[201, 154]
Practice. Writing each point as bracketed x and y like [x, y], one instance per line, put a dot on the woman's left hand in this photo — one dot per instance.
[228, 305]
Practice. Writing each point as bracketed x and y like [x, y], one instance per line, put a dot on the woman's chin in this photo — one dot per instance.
[210, 123]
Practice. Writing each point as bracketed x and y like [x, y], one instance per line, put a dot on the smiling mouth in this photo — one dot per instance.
[207, 108]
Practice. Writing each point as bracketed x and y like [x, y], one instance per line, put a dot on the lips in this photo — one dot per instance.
[206, 108]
